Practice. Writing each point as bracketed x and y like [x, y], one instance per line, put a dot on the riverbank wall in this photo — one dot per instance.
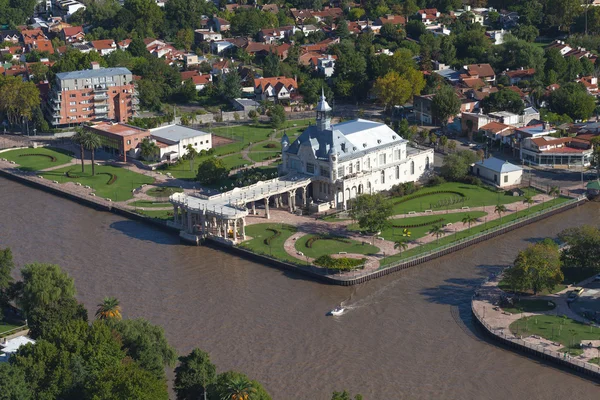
[96, 203]
[311, 271]
[513, 343]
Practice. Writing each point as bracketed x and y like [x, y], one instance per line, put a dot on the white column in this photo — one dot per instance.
[254, 208]
[243, 228]
[267, 208]
[235, 230]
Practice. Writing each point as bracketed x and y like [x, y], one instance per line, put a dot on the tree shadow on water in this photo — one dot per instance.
[144, 232]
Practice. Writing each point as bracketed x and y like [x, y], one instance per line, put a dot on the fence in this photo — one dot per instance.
[13, 331]
[539, 351]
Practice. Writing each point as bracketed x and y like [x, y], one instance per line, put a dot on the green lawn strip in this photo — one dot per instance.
[506, 287]
[328, 246]
[163, 191]
[530, 305]
[150, 204]
[261, 152]
[565, 331]
[31, 159]
[119, 190]
[392, 233]
[158, 214]
[260, 232]
[235, 161]
[595, 360]
[5, 327]
[452, 237]
[473, 196]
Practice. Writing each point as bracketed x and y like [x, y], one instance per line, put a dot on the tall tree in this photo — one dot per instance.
[193, 376]
[212, 171]
[372, 211]
[536, 268]
[469, 219]
[445, 105]
[437, 231]
[91, 142]
[44, 284]
[500, 209]
[13, 383]
[79, 139]
[573, 100]
[6, 266]
[583, 249]
[18, 98]
[503, 100]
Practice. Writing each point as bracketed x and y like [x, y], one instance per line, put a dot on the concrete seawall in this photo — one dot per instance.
[313, 272]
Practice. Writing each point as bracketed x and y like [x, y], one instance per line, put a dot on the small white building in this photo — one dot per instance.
[174, 139]
[10, 346]
[498, 172]
[326, 66]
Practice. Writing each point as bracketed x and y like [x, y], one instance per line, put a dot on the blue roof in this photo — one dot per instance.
[497, 165]
[93, 73]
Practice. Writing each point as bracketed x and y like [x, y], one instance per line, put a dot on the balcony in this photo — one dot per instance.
[135, 100]
[56, 100]
[101, 110]
[101, 97]
[100, 88]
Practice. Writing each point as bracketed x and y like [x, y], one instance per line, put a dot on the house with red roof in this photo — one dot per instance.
[518, 75]
[390, 19]
[548, 151]
[72, 34]
[278, 88]
[590, 83]
[104, 47]
[429, 15]
[482, 71]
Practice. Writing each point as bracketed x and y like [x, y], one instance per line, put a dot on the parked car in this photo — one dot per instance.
[574, 294]
[597, 277]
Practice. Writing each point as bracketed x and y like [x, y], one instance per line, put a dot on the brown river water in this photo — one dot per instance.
[407, 336]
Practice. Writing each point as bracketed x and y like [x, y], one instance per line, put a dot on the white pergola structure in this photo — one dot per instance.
[223, 216]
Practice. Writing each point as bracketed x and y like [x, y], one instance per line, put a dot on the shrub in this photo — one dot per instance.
[72, 175]
[473, 180]
[112, 177]
[271, 146]
[52, 158]
[435, 180]
[341, 264]
[437, 221]
[309, 243]
[276, 234]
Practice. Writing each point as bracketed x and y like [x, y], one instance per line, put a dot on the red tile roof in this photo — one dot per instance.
[264, 82]
[480, 70]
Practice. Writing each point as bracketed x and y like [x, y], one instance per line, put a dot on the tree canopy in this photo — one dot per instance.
[503, 100]
[536, 268]
[372, 211]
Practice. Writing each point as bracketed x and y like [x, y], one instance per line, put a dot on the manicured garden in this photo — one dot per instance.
[559, 329]
[163, 191]
[315, 246]
[454, 195]
[110, 182]
[165, 215]
[530, 305]
[419, 227]
[268, 239]
[450, 237]
[31, 159]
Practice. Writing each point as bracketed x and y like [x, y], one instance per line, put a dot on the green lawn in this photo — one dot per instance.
[31, 159]
[5, 327]
[330, 246]
[558, 329]
[394, 233]
[150, 204]
[259, 233]
[119, 190]
[158, 214]
[452, 237]
[530, 305]
[163, 191]
[473, 196]
[235, 161]
[260, 152]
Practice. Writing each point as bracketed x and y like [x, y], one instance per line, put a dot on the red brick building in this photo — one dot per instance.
[93, 94]
[120, 139]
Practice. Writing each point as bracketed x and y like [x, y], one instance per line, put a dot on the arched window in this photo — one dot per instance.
[427, 162]
[383, 176]
[397, 172]
[412, 167]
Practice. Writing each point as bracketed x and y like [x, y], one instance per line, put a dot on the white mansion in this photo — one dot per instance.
[351, 158]
[326, 166]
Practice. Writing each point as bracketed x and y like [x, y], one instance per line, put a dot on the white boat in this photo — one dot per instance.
[339, 310]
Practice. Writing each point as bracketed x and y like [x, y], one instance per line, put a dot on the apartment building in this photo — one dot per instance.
[92, 94]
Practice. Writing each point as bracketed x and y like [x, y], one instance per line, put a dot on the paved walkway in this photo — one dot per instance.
[486, 305]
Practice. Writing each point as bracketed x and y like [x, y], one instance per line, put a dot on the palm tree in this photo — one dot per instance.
[554, 192]
[437, 231]
[239, 388]
[528, 200]
[468, 219]
[401, 245]
[500, 209]
[79, 138]
[92, 142]
[108, 309]
[148, 149]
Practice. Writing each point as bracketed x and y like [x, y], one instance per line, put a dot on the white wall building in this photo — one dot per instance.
[173, 140]
[351, 158]
[499, 172]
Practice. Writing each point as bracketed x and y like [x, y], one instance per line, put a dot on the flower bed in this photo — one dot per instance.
[52, 158]
[309, 242]
[342, 264]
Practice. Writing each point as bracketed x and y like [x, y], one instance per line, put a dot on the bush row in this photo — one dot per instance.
[417, 195]
[342, 264]
[437, 221]
[112, 176]
[72, 175]
[52, 158]
[309, 243]
[276, 234]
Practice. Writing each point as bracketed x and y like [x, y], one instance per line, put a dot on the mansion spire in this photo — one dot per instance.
[323, 113]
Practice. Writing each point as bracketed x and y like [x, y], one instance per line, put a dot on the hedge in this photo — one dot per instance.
[309, 242]
[72, 175]
[416, 196]
[342, 264]
[276, 234]
[52, 158]
[112, 176]
[437, 221]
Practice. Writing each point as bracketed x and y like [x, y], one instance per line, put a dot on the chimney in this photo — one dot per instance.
[95, 65]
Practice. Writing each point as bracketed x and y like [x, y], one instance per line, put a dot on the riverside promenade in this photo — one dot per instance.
[495, 323]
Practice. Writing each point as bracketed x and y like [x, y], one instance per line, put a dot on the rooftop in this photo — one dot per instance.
[497, 165]
[176, 133]
[93, 73]
[119, 129]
